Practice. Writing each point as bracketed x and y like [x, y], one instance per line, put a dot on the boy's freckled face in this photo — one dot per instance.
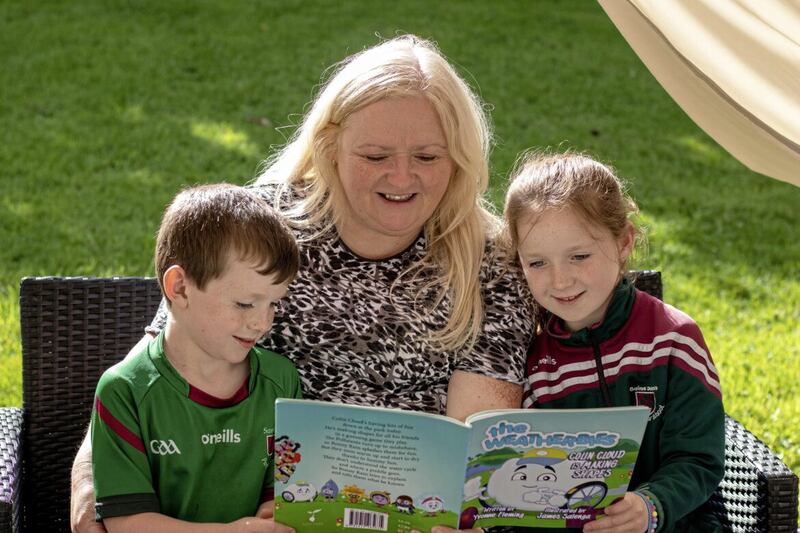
[226, 318]
[571, 269]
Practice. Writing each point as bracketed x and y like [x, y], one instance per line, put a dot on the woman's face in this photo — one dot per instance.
[394, 167]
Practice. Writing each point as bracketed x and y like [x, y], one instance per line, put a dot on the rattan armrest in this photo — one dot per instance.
[758, 491]
[10, 467]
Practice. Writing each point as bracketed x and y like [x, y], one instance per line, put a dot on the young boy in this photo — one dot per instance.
[191, 418]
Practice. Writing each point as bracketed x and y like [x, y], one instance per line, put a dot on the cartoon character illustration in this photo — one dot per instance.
[404, 504]
[432, 505]
[312, 515]
[284, 443]
[299, 492]
[286, 450]
[533, 482]
[329, 490]
[353, 493]
[473, 488]
[587, 494]
[286, 458]
[284, 472]
[379, 497]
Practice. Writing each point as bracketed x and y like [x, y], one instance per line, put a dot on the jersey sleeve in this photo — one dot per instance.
[122, 479]
[507, 329]
[692, 438]
[294, 389]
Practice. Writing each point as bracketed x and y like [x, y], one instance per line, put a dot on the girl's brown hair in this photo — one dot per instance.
[567, 180]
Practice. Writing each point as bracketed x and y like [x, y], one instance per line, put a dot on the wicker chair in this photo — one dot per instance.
[75, 328]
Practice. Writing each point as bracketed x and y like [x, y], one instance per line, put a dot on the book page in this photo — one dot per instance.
[549, 468]
[339, 466]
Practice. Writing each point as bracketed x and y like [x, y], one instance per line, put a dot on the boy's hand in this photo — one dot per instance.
[628, 515]
[266, 510]
[258, 525]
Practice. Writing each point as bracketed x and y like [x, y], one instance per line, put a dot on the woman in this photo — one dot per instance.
[402, 300]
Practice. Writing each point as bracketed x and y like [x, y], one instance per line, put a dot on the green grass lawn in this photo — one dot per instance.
[109, 107]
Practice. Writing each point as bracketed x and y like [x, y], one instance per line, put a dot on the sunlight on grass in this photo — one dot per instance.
[18, 208]
[733, 302]
[134, 114]
[225, 136]
[701, 146]
[10, 360]
[143, 178]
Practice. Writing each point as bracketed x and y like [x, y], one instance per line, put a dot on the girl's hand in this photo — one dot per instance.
[628, 515]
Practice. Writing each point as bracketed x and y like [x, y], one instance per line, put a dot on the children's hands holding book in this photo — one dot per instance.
[258, 525]
[630, 514]
[263, 521]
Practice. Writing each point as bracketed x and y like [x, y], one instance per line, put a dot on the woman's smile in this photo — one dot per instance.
[397, 197]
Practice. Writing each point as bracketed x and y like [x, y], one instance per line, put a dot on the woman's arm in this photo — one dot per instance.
[82, 515]
[469, 393]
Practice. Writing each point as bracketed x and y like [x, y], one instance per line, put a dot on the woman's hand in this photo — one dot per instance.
[628, 515]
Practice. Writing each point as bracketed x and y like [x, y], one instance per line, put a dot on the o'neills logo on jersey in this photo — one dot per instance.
[546, 360]
[227, 436]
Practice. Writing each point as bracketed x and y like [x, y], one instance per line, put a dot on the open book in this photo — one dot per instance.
[346, 467]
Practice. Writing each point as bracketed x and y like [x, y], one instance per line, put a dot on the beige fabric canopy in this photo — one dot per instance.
[732, 65]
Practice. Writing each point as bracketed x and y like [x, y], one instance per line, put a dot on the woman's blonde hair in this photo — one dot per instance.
[456, 233]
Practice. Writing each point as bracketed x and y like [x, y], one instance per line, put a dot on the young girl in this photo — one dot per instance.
[604, 343]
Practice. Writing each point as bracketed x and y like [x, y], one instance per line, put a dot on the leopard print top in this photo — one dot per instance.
[353, 343]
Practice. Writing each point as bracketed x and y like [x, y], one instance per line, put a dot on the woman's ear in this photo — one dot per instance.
[175, 285]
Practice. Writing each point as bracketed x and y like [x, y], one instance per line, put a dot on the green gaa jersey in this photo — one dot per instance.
[161, 445]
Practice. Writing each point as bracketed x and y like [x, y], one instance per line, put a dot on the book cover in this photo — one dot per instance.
[549, 468]
[355, 468]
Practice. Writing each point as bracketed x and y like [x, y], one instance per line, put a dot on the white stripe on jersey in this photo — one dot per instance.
[611, 364]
